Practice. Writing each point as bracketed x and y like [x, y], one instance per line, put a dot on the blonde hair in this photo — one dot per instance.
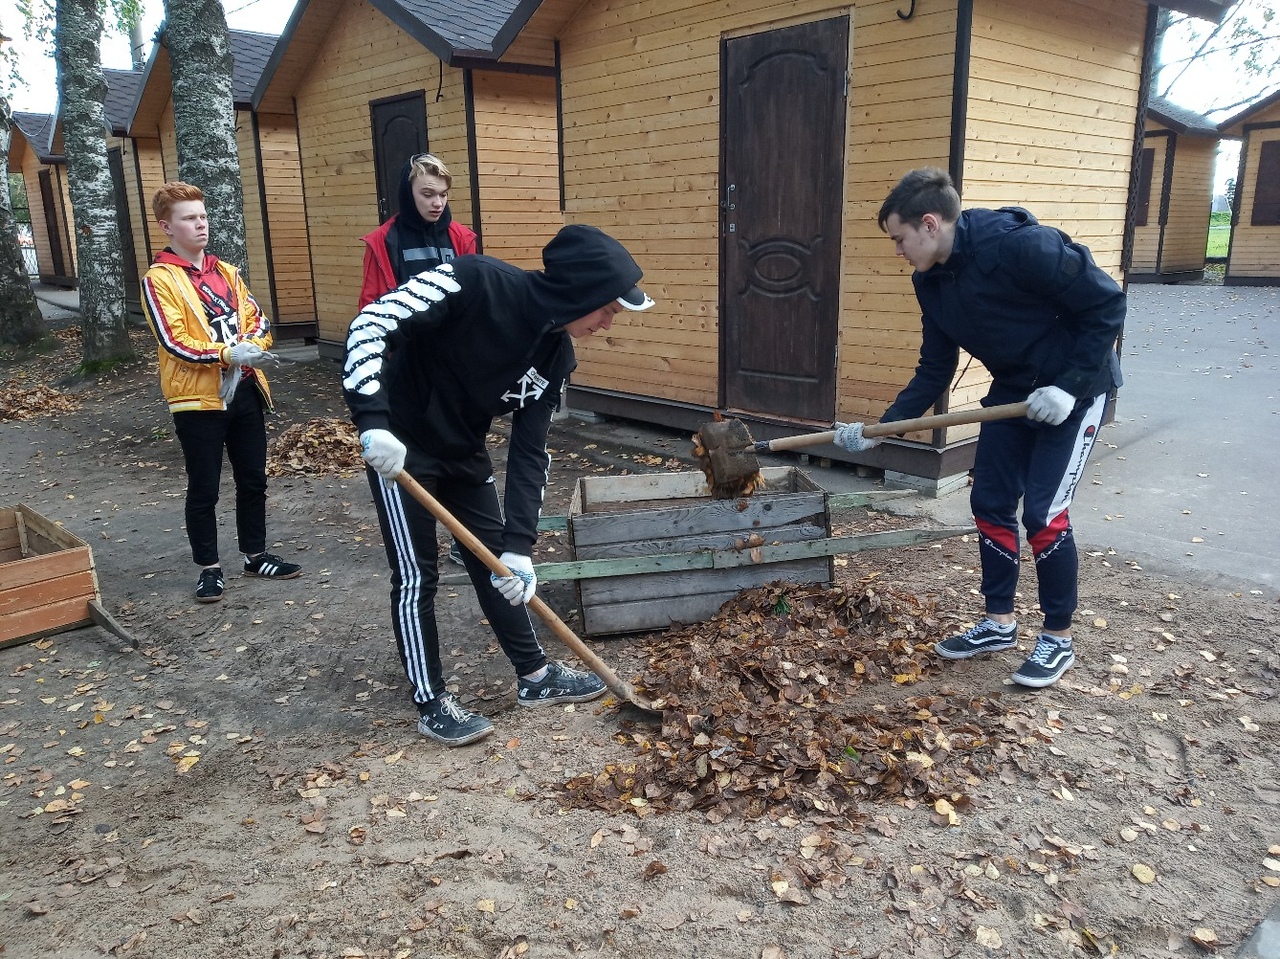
[169, 194]
[428, 164]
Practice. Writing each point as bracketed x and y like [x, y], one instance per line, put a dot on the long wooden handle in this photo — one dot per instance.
[937, 421]
[567, 636]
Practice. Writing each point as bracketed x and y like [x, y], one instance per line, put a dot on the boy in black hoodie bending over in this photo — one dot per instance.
[428, 368]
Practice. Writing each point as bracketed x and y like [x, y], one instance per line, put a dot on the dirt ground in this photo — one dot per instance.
[244, 778]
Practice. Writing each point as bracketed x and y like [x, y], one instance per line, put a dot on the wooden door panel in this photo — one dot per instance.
[782, 193]
[399, 132]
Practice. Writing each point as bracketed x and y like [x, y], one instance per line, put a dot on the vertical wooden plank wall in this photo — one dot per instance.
[256, 272]
[516, 164]
[1255, 250]
[364, 57]
[286, 216]
[1186, 232]
[1146, 239]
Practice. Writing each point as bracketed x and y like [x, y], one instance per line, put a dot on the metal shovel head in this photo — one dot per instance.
[728, 458]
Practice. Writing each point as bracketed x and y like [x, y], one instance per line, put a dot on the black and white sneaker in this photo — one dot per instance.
[1052, 657]
[210, 585]
[561, 685]
[445, 721]
[987, 637]
[455, 554]
[270, 566]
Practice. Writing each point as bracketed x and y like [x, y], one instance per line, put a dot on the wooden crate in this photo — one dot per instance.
[661, 514]
[47, 579]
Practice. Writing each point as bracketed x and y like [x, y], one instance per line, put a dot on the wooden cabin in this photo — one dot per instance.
[741, 152]
[44, 175]
[279, 266]
[1253, 259]
[372, 82]
[1174, 195]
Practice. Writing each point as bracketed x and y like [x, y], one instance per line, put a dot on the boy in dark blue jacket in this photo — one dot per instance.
[428, 368]
[1043, 318]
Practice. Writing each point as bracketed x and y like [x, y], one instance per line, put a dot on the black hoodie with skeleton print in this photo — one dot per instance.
[437, 359]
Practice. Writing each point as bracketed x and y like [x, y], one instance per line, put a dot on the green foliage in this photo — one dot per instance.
[18, 198]
[1219, 236]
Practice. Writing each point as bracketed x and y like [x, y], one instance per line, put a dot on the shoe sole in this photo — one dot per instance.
[550, 701]
[272, 575]
[463, 741]
[951, 654]
[1040, 682]
[208, 599]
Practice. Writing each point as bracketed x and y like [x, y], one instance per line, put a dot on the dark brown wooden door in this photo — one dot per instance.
[399, 132]
[52, 225]
[783, 110]
[132, 288]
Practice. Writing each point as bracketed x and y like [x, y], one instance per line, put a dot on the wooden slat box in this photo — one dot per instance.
[47, 579]
[671, 514]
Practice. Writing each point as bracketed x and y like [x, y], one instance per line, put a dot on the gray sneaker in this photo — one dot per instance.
[987, 637]
[455, 554]
[445, 721]
[560, 685]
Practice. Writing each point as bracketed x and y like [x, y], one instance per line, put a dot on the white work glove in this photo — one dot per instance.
[519, 587]
[230, 380]
[849, 436]
[1050, 405]
[381, 450]
[245, 353]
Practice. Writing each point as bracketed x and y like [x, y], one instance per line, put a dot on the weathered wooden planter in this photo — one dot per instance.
[679, 555]
[47, 579]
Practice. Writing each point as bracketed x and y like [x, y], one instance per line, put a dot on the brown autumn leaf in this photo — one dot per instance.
[654, 870]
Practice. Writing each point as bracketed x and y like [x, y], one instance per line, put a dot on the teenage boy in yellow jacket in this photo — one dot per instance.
[212, 338]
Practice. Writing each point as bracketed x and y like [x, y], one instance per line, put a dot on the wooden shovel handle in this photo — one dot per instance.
[567, 636]
[938, 421]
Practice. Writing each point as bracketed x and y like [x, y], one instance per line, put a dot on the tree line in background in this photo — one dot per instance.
[195, 34]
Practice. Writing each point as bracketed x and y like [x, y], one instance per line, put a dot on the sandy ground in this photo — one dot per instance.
[244, 778]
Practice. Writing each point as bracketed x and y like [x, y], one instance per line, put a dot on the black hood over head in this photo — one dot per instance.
[409, 217]
[584, 268]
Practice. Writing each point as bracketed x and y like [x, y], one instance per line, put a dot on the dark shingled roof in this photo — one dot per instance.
[251, 51]
[122, 94]
[38, 129]
[1180, 119]
[449, 29]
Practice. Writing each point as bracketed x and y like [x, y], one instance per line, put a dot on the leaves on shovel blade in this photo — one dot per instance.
[318, 446]
[797, 698]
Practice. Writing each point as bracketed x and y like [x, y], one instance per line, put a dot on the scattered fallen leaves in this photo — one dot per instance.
[1143, 873]
[318, 446]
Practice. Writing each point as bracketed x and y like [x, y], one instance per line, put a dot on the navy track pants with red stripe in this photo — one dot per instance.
[1041, 466]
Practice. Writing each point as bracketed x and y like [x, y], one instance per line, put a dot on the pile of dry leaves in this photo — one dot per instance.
[794, 699]
[318, 446]
[28, 402]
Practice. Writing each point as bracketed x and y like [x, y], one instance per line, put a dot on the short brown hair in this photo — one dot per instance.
[171, 193]
[926, 190]
[428, 164]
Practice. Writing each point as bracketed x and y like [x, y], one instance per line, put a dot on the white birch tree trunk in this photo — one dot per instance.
[205, 119]
[20, 321]
[103, 328]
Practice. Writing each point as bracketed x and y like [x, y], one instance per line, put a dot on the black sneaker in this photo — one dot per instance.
[1052, 657]
[987, 637]
[445, 721]
[455, 554]
[210, 585]
[560, 685]
[270, 566]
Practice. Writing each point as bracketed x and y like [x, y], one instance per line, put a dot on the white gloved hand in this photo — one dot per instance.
[245, 353]
[849, 436]
[230, 380]
[519, 587]
[1050, 405]
[382, 451]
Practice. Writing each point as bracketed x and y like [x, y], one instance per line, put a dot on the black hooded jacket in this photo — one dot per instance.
[413, 243]
[1023, 299]
[438, 358]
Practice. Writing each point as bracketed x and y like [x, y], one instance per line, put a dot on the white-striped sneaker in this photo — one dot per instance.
[1052, 657]
[270, 566]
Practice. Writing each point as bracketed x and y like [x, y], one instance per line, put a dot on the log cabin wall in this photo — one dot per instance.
[24, 160]
[1147, 235]
[364, 57]
[1189, 203]
[142, 177]
[292, 295]
[517, 169]
[1254, 257]
[256, 272]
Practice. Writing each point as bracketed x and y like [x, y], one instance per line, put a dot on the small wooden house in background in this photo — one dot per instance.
[1174, 195]
[373, 82]
[279, 267]
[1254, 255]
[741, 152]
[44, 175]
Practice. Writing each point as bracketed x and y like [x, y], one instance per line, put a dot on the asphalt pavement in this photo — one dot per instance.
[1182, 482]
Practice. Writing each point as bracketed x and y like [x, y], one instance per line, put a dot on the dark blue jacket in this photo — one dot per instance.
[1023, 299]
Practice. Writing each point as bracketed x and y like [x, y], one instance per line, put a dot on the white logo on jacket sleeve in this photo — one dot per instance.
[529, 388]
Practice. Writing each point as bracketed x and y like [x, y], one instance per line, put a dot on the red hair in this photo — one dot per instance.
[169, 194]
